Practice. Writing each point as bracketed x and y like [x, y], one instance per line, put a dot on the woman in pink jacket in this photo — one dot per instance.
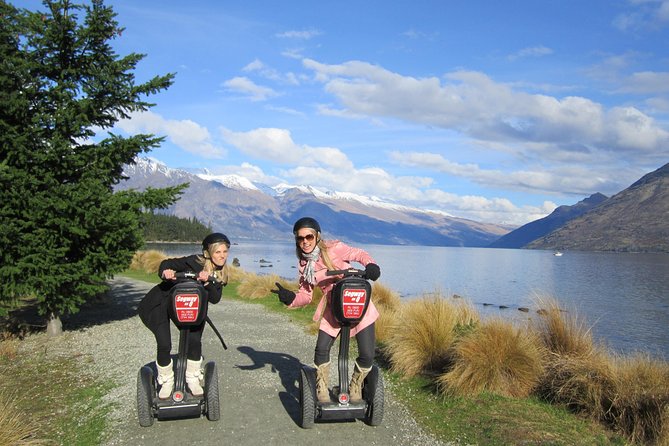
[315, 257]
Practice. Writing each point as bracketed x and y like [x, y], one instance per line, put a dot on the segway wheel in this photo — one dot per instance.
[211, 396]
[146, 392]
[307, 405]
[373, 394]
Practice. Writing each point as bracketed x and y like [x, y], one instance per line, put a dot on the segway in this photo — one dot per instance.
[350, 297]
[187, 309]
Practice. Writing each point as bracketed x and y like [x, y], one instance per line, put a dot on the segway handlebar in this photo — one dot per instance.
[346, 272]
[191, 275]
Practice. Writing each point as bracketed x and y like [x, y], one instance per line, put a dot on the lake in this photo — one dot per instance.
[624, 297]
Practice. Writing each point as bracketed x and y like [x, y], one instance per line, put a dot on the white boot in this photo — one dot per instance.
[166, 380]
[194, 377]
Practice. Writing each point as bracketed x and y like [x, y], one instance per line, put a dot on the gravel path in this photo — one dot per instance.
[257, 377]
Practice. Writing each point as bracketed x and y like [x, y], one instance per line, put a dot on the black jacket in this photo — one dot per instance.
[153, 310]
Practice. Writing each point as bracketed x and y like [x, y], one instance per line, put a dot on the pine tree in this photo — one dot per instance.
[63, 229]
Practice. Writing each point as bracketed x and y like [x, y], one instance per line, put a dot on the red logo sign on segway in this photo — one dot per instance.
[353, 302]
[187, 307]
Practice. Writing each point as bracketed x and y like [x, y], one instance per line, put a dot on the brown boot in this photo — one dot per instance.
[322, 382]
[355, 387]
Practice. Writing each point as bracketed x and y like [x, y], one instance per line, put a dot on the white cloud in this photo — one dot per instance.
[270, 73]
[574, 180]
[534, 51]
[303, 34]
[328, 168]
[476, 106]
[646, 14]
[246, 86]
[277, 145]
[186, 134]
[646, 82]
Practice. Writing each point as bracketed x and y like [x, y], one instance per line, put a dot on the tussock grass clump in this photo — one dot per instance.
[640, 408]
[424, 331]
[235, 273]
[388, 303]
[385, 324]
[583, 384]
[579, 374]
[254, 286]
[563, 333]
[495, 357]
[16, 428]
[147, 261]
[467, 316]
[384, 298]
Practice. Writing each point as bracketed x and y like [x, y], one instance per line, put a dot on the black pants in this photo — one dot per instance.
[164, 343]
[366, 346]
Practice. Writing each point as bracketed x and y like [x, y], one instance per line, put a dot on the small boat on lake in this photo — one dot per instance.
[557, 253]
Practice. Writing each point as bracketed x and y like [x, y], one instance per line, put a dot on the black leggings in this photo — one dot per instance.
[164, 342]
[366, 345]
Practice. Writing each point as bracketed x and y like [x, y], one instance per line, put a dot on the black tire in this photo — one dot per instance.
[374, 395]
[307, 405]
[146, 391]
[211, 395]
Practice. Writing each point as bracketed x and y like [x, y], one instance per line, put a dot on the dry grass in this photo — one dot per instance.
[384, 298]
[640, 408]
[563, 333]
[147, 261]
[579, 374]
[16, 428]
[9, 346]
[385, 324]
[388, 303]
[235, 273]
[495, 357]
[422, 335]
[467, 315]
[583, 384]
[254, 286]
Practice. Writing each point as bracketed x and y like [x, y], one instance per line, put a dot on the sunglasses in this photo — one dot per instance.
[308, 237]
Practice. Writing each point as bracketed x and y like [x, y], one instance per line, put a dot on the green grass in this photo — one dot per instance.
[494, 420]
[71, 409]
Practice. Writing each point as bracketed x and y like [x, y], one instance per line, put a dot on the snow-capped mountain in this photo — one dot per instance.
[231, 181]
[246, 210]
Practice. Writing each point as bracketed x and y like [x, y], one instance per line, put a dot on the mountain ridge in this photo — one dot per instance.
[246, 211]
[531, 231]
[635, 219]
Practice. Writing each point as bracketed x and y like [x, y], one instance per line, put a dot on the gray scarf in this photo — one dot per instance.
[309, 273]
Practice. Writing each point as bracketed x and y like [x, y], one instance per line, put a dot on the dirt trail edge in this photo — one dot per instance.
[258, 375]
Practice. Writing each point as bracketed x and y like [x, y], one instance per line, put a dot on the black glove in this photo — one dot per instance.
[372, 271]
[285, 296]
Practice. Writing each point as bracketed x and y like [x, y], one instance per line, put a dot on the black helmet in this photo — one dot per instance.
[306, 222]
[215, 237]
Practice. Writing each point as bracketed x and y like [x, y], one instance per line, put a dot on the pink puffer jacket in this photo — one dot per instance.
[341, 256]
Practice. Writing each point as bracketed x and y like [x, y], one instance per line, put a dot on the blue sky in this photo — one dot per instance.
[494, 111]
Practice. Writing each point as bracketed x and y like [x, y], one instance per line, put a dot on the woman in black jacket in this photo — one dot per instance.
[154, 309]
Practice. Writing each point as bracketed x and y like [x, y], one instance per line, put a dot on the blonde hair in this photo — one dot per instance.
[322, 246]
[207, 265]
